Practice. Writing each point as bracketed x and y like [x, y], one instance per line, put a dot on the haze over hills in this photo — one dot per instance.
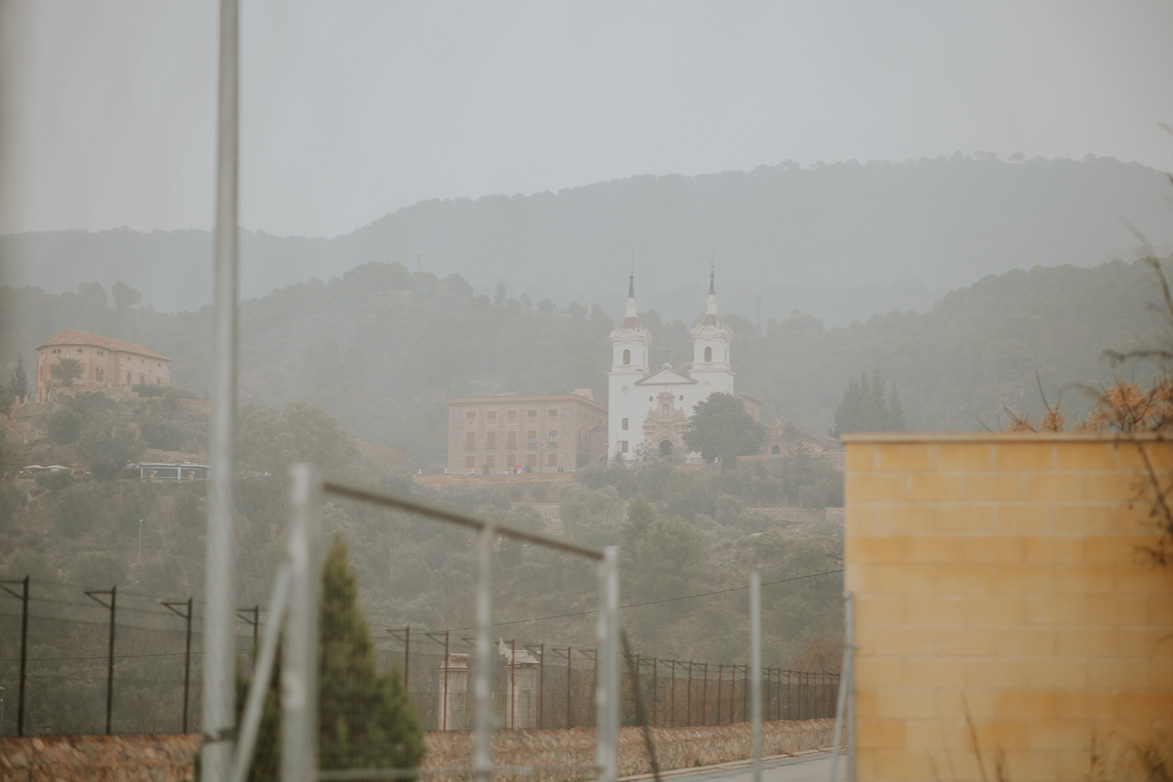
[840, 241]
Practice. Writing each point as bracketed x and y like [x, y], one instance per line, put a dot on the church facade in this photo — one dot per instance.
[648, 409]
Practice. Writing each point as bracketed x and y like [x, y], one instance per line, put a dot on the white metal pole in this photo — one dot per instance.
[483, 683]
[299, 674]
[849, 673]
[220, 567]
[607, 660]
[250, 720]
[841, 708]
[755, 664]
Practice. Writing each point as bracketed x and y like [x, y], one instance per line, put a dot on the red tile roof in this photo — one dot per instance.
[75, 337]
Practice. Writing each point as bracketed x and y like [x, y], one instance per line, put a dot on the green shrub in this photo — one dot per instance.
[64, 425]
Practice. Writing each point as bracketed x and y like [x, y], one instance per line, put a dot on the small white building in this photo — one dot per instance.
[649, 409]
[521, 687]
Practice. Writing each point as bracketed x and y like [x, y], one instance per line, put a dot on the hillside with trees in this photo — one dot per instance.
[839, 241]
[381, 348]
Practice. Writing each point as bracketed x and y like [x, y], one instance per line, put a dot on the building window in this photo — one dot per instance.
[626, 357]
[708, 355]
[491, 415]
[532, 414]
[128, 378]
[490, 439]
[624, 427]
[470, 462]
[553, 413]
[552, 439]
[470, 417]
[100, 374]
[622, 446]
[511, 439]
[553, 460]
[512, 415]
[491, 462]
[532, 438]
[470, 440]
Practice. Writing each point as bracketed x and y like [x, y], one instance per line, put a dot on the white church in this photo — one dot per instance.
[648, 410]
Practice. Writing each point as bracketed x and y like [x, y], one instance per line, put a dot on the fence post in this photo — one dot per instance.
[705, 697]
[720, 681]
[113, 593]
[655, 665]
[688, 707]
[672, 697]
[569, 693]
[447, 697]
[541, 684]
[299, 675]
[187, 654]
[407, 661]
[607, 655]
[24, 640]
[219, 686]
[483, 758]
[755, 662]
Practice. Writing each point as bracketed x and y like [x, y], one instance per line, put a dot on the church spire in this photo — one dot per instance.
[712, 285]
[631, 286]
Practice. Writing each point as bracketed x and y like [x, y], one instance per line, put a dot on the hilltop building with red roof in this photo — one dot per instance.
[108, 365]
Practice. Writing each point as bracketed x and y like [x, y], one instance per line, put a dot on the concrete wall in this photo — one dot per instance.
[556, 754]
[999, 596]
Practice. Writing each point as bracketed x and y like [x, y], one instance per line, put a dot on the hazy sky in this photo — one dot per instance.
[354, 109]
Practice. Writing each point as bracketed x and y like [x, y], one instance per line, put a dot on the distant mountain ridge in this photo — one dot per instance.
[841, 241]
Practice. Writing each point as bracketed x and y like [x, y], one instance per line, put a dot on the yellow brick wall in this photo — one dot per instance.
[998, 575]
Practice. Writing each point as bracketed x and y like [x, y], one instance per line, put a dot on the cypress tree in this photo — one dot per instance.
[366, 718]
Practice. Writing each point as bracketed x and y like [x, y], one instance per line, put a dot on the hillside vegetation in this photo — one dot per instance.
[841, 241]
[382, 349]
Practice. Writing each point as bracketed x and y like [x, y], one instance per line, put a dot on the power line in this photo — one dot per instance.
[652, 602]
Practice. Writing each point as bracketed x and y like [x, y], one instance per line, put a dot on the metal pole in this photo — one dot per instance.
[688, 706]
[541, 685]
[262, 674]
[512, 684]
[187, 666]
[299, 677]
[655, 664]
[24, 646]
[635, 682]
[483, 758]
[569, 649]
[220, 570]
[720, 681]
[755, 664]
[407, 660]
[705, 697]
[849, 675]
[447, 698]
[672, 698]
[607, 667]
[110, 664]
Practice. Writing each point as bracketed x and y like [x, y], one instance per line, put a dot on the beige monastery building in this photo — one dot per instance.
[107, 364]
[544, 433]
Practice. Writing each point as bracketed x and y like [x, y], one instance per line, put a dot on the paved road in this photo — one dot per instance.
[811, 768]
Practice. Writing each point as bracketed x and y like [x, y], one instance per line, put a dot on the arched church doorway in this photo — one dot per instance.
[666, 449]
[708, 355]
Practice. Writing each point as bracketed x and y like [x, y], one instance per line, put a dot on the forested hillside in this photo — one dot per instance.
[382, 348]
[840, 241]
